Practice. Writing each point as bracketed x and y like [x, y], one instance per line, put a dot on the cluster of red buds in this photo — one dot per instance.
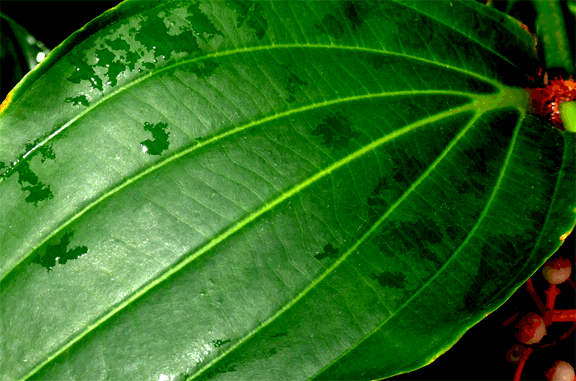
[546, 100]
[531, 328]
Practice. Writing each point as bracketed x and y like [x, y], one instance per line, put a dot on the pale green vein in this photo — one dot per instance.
[229, 53]
[452, 257]
[520, 272]
[365, 236]
[490, 49]
[214, 139]
[253, 216]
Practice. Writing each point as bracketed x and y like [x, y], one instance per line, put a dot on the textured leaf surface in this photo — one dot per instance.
[271, 190]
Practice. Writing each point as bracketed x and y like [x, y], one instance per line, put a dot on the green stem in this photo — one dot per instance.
[551, 32]
[568, 115]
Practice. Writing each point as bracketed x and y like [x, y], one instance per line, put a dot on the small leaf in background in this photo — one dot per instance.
[572, 6]
[20, 52]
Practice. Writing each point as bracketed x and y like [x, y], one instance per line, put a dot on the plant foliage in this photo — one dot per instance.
[247, 190]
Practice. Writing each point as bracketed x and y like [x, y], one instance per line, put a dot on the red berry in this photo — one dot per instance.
[561, 371]
[531, 329]
[557, 270]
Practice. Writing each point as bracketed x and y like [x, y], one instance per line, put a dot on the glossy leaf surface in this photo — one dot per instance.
[271, 190]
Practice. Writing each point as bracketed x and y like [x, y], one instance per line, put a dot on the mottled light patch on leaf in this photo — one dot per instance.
[351, 13]
[419, 239]
[336, 131]
[479, 161]
[250, 13]
[85, 72]
[59, 252]
[331, 26]
[391, 279]
[189, 19]
[124, 53]
[45, 151]
[293, 82]
[27, 178]
[110, 57]
[78, 100]
[357, 12]
[404, 169]
[201, 24]
[155, 36]
[328, 252]
[202, 68]
[381, 198]
[160, 139]
[168, 39]
[219, 343]
[121, 41]
[175, 21]
[483, 281]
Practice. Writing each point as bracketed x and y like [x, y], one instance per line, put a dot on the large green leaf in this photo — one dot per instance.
[271, 190]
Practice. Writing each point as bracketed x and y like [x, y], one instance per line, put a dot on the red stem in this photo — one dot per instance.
[532, 291]
[563, 337]
[521, 364]
[511, 319]
[551, 293]
[571, 282]
[564, 315]
[567, 333]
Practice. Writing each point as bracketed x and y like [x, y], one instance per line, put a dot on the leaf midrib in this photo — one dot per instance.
[194, 146]
[372, 229]
[348, 252]
[453, 256]
[127, 86]
[252, 216]
[483, 214]
[47, 140]
[220, 54]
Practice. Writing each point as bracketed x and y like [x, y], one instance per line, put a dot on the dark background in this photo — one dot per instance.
[481, 352]
[53, 21]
